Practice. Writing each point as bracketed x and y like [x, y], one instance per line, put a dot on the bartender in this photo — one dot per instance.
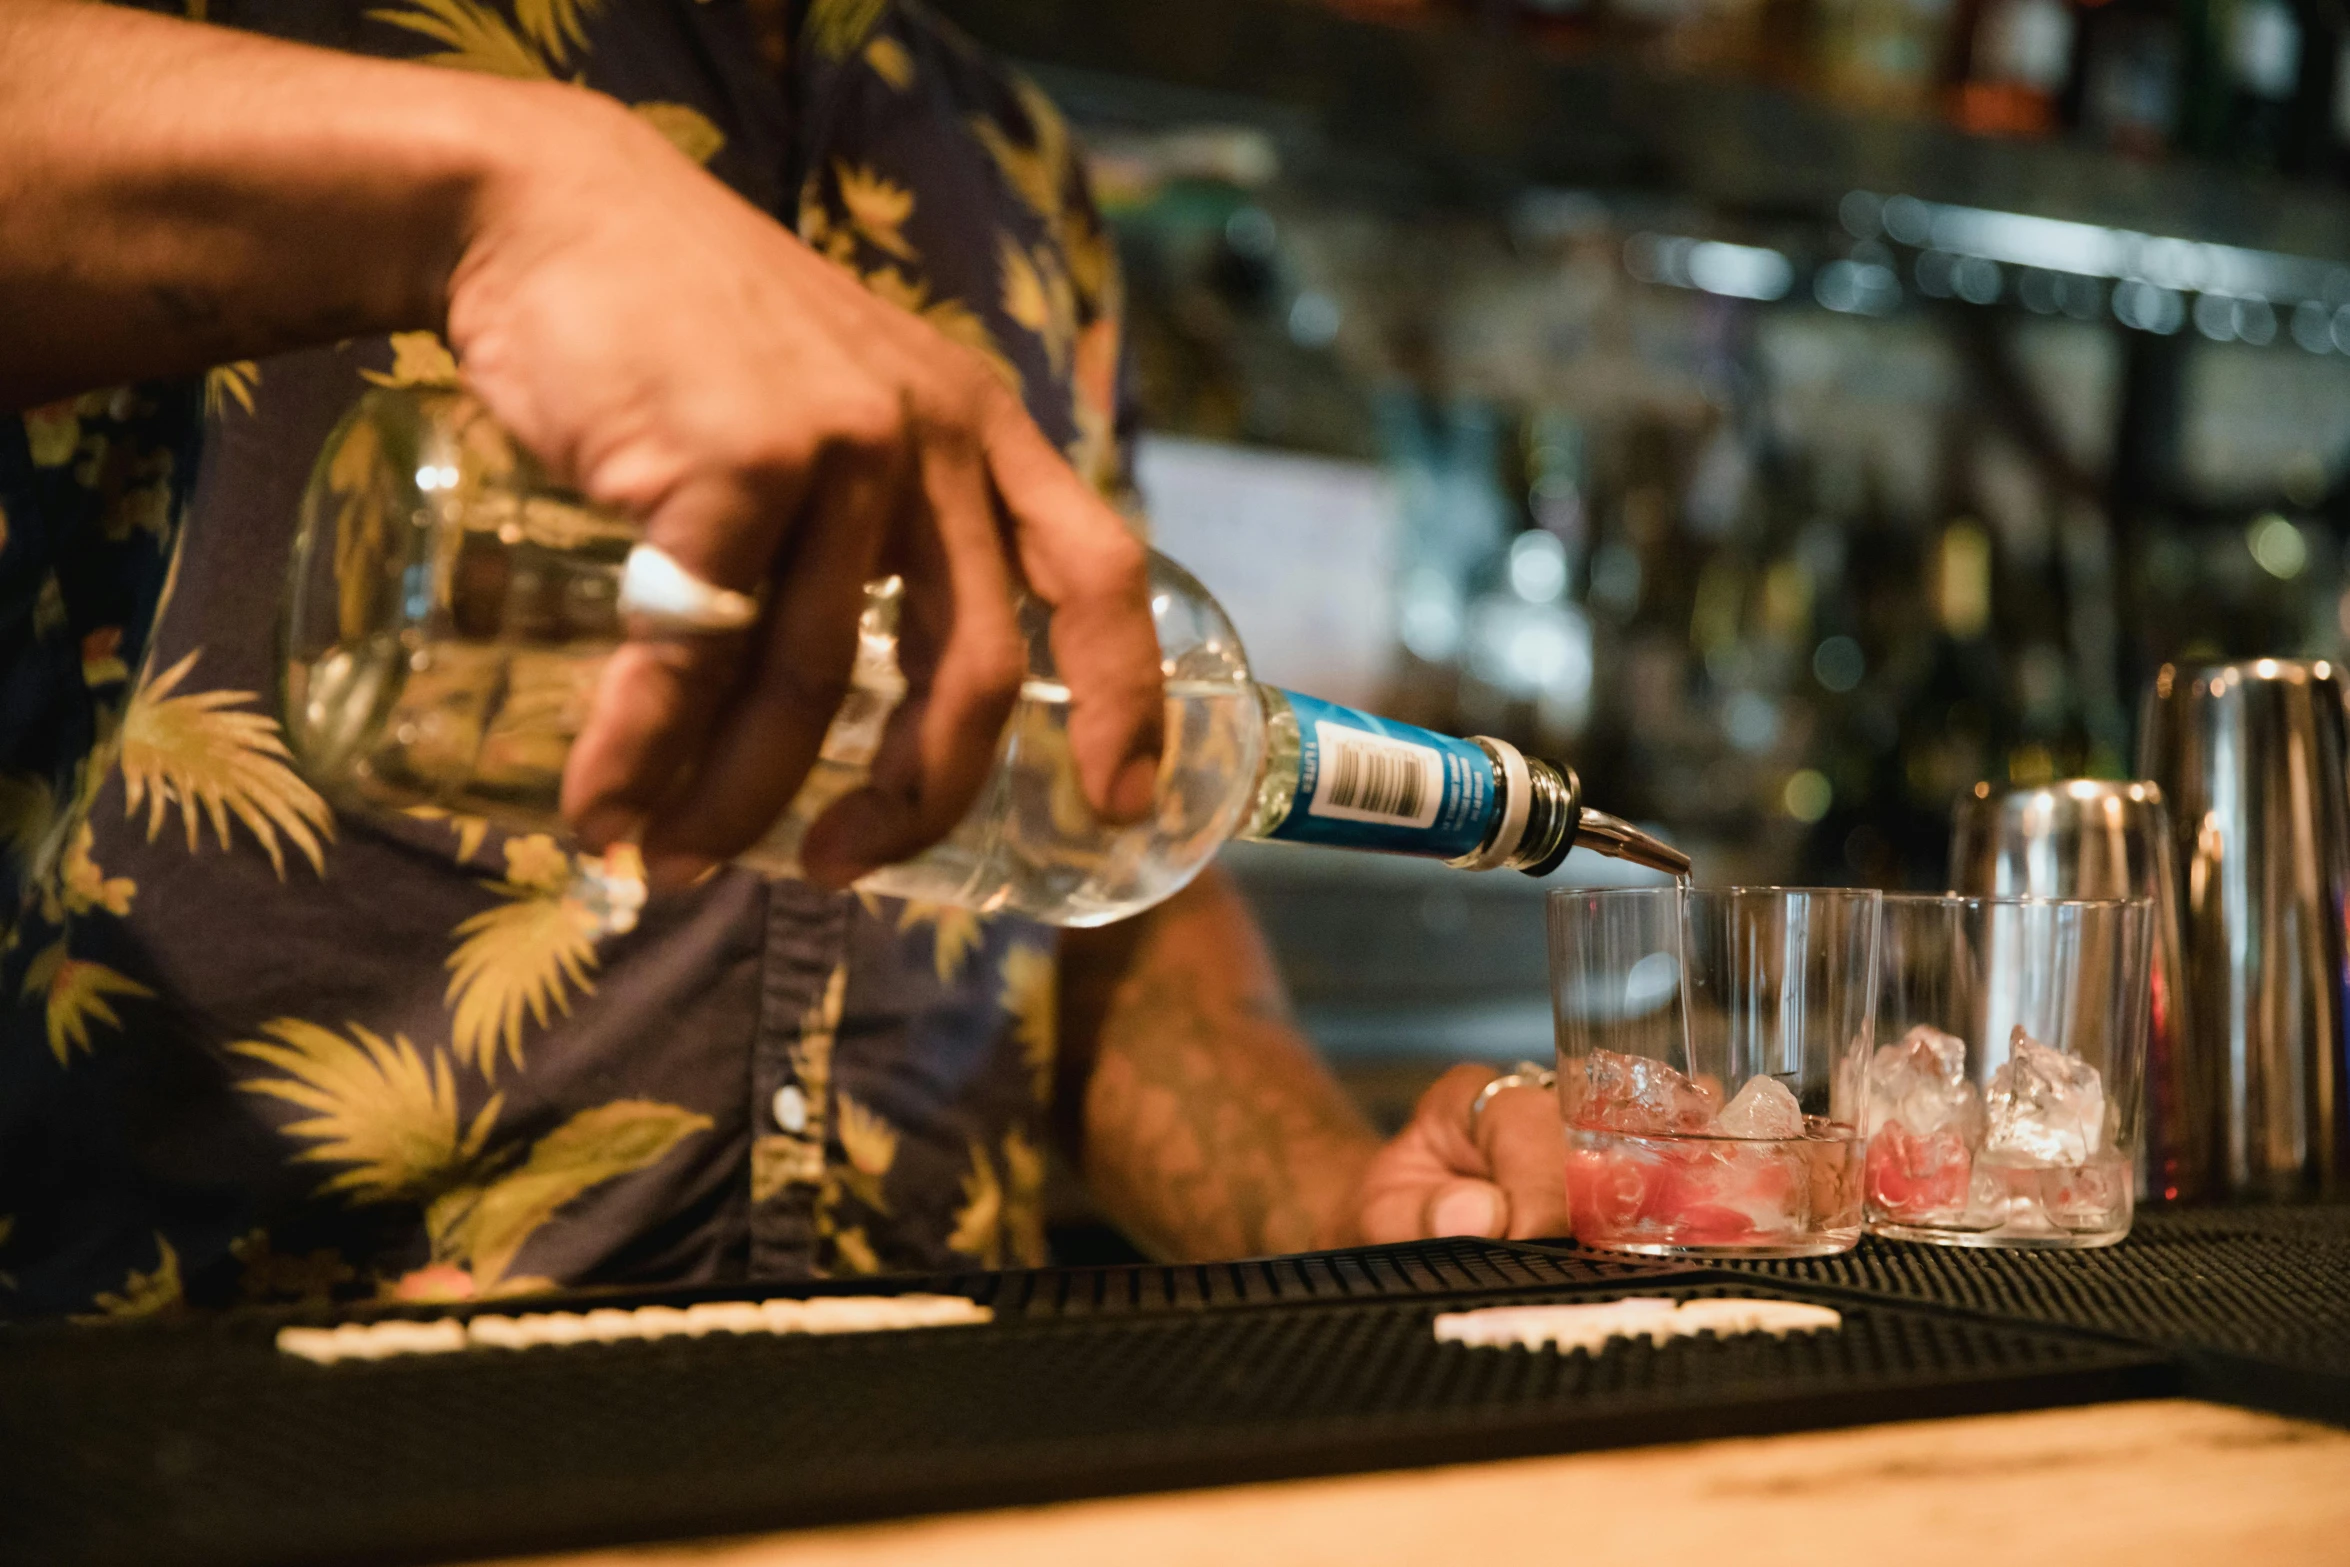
[816, 292]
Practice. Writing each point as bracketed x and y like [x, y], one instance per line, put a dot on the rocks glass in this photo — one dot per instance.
[2003, 1095]
[1711, 1052]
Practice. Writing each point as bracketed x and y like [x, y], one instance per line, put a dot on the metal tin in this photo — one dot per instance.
[2251, 757]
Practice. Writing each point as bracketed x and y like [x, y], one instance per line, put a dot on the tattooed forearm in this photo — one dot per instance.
[1209, 1127]
[181, 195]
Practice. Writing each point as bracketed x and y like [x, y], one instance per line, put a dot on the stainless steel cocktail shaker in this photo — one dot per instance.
[2254, 760]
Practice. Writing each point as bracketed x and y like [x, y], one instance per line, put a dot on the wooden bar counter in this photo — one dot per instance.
[2128, 1484]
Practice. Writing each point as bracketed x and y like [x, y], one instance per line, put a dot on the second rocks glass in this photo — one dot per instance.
[2003, 1095]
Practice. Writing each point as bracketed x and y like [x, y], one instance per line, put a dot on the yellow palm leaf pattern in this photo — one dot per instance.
[1023, 1200]
[877, 205]
[557, 26]
[418, 359]
[84, 886]
[1036, 293]
[871, 1144]
[978, 1228]
[54, 432]
[1093, 265]
[814, 223]
[232, 382]
[837, 27]
[376, 1107]
[470, 830]
[525, 955]
[49, 615]
[890, 62]
[537, 862]
[853, 1252]
[1038, 173]
[591, 1148]
[476, 36]
[954, 933]
[152, 1294]
[1030, 995]
[200, 753]
[102, 663]
[893, 287]
[687, 129]
[76, 993]
[777, 1160]
[28, 811]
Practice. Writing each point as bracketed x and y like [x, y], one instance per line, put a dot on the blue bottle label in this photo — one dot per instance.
[1372, 783]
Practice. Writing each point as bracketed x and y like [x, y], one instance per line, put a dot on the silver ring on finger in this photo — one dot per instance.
[1526, 1074]
[666, 600]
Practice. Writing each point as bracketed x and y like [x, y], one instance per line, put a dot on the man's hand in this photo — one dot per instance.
[678, 355]
[659, 343]
[1503, 1178]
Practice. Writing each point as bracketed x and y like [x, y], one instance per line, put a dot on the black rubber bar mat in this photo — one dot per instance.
[2255, 1301]
[1453, 1268]
[201, 1444]
[1445, 1267]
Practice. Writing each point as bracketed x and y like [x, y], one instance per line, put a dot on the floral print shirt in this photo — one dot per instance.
[255, 1049]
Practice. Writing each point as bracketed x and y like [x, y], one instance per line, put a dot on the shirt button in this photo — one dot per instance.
[791, 1108]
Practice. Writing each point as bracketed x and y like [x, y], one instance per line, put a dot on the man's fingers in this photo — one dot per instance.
[1078, 557]
[653, 703]
[1395, 1206]
[1442, 1115]
[658, 698]
[1419, 1175]
[1504, 1175]
[1467, 1206]
[960, 648]
[1524, 1146]
[771, 732]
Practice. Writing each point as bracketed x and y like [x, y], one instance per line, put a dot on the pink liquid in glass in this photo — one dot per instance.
[1659, 1194]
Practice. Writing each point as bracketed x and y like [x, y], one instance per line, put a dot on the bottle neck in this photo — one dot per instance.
[1538, 805]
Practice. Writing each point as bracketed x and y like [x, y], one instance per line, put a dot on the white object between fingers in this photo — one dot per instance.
[668, 600]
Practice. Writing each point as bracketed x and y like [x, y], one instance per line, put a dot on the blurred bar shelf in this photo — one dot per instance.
[1477, 115]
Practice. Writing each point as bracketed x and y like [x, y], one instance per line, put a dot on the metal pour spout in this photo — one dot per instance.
[1558, 820]
[1612, 835]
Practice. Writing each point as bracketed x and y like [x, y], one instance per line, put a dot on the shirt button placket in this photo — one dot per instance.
[806, 941]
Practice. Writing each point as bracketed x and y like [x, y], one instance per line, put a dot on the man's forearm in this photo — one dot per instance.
[1210, 1129]
[179, 195]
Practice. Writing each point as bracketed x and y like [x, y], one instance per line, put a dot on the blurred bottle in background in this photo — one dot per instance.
[2320, 137]
[1527, 649]
[2010, 63]
[2241, 73]
[1882, 56]
[2124, 92]
[2264, 52]
[1443, 454]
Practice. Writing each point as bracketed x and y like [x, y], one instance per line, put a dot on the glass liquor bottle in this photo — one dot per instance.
[449, 611]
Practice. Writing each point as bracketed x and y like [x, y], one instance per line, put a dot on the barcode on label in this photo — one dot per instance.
[1368, 778]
